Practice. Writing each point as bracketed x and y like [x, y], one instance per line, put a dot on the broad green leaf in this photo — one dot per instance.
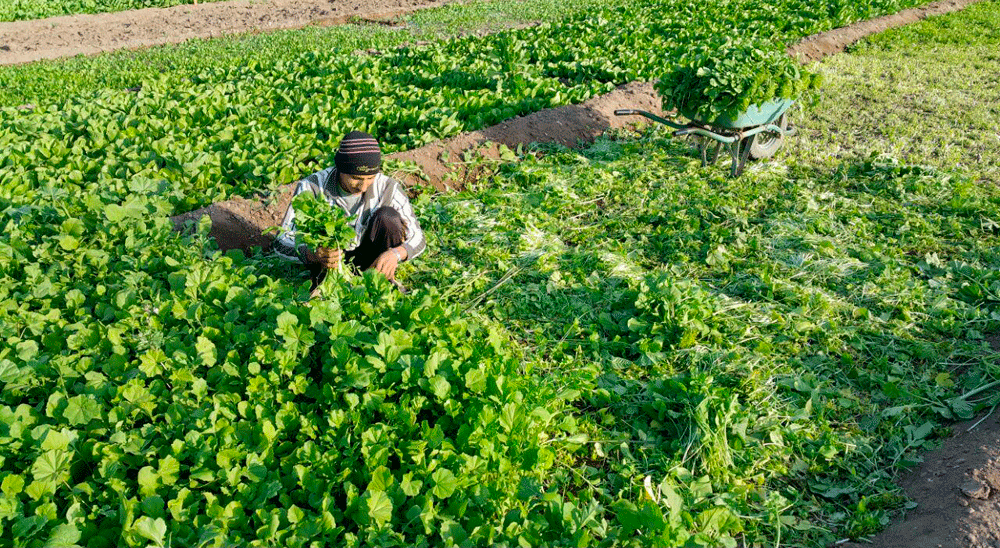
[115, 213]
[445, 483]
[475, 380]
[206, 351]
[153, 530]
[63, 536]
[68, 243]
[12, 485]
[440, 386]
[52, 467]
[169, 470]
[381, 479]
[149, 481]
[81, 409]
[26, 528]
[379, 507]
[411, 487]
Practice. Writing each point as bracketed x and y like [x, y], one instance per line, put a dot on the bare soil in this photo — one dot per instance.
[55, 37]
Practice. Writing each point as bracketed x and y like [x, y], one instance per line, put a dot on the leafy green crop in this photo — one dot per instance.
[20, 10]
[606, 347]
[318, 224]
[235, 129]
[708, 83]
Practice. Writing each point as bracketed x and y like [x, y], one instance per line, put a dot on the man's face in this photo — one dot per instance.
[356, 184]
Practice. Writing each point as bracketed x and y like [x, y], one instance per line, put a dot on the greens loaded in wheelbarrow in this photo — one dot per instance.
[734, 94]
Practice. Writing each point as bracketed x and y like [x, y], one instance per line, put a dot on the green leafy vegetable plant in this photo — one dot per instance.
[319, 224]
[710, 82]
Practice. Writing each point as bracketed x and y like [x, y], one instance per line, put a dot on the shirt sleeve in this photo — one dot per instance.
[284, 246]
[414, 243]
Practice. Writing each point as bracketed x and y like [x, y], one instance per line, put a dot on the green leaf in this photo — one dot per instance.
[445, 483]
[26, 528]
[411, 487]
[115, 213]
[52, 467]
[379, 507]
[169, 470]
[475, 380]
[12, 485]
[81, 409]
[206, 351]
[381, 479]
[63, 536]
[440, 386]
[68, 243]
[11, 374]
[154, 530]
[149, 481]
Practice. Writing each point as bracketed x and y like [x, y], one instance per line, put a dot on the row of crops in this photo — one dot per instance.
[26, 10]
[639, 383]
[235, 129]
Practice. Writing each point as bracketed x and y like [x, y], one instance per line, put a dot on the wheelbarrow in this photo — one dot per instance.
[756, 133]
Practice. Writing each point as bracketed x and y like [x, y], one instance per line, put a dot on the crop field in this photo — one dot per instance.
[610, 346]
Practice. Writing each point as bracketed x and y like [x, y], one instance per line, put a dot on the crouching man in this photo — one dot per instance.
[386, 230]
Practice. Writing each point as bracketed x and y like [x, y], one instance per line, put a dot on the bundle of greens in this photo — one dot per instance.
[318, 224]
[712, 82]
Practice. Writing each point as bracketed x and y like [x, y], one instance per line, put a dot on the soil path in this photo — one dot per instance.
[957, 491]
[818, 46]
[26, 41]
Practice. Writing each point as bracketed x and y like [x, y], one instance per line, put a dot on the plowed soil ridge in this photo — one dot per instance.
[55, 37]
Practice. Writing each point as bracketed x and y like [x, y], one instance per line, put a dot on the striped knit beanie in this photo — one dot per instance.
[359, 154]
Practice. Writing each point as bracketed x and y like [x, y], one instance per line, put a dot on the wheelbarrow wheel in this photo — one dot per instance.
[767, 143]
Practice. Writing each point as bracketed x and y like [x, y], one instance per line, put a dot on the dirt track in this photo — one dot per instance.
[26, 41]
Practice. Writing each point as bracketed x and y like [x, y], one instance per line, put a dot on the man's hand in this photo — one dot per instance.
[387, 262]
[326, 257]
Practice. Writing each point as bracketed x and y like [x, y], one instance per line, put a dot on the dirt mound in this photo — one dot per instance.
[26, 41]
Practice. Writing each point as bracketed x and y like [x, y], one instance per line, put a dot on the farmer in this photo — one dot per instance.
[386, 230]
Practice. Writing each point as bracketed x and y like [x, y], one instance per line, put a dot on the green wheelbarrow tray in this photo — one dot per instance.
[755, 115]
[755, 133]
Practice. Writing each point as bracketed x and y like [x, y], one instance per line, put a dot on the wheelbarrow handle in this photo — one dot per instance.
[650, 115]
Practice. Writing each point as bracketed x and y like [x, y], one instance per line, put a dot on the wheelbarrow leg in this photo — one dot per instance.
[740, 150]
[706, 157]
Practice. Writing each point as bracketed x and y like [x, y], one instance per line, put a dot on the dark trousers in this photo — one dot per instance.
[386, 230]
